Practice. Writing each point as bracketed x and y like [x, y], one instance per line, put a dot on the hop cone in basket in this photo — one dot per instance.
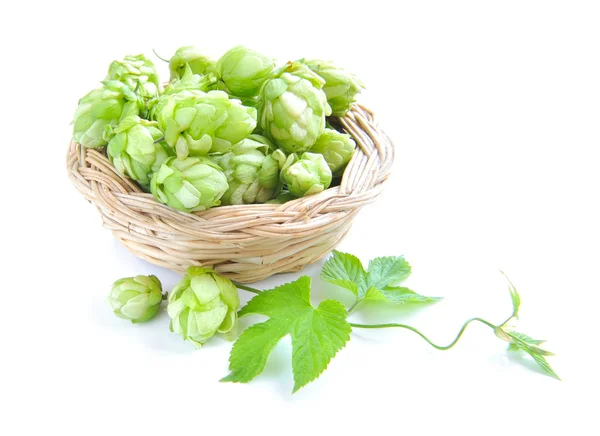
[202, 304]
[190, 82]
[306, 175]
[138, 73]
[243, 71]
[293, 108]
[133, 149]
[196, 123]
[103, 107]
[136, 298]
[190, 184]
[251, 170]
[192, 56]
[341, 87]
[337, 149]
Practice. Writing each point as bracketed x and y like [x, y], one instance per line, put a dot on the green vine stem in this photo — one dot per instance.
[407, 327]
[161, 58]
[246, 288]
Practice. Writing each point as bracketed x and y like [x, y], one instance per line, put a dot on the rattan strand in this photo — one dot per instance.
[245, 243]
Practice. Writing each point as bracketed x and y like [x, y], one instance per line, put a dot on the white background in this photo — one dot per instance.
[494, 109]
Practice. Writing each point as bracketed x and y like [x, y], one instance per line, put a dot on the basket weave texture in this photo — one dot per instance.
[245, 243]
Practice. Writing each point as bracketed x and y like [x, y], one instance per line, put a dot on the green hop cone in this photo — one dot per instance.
[293, 109]
[138, 73]
[202, 304]
[136, 298]
[133, 149]
[306, 175]
[192, 56]
[190, 184]
[337, 149]
[196, 123]
[190, 82]
[243, 71]
[341, 87]
[251, 170]
[100, 108]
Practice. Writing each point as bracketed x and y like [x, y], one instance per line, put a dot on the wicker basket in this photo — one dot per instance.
[245, 243]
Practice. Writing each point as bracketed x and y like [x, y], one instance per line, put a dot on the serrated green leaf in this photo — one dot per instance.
[527, 343]
[521, 341]
[317, 333]
[316, 338]
[398, 295]
[527, 339]
[345, 270]
[514, 295]
[251, 351]
[387, 270]
[543, 363]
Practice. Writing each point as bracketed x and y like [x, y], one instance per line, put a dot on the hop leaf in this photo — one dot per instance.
[377, 283]
[318, 333]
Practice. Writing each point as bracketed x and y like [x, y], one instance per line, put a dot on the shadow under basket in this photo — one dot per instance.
[245, 243]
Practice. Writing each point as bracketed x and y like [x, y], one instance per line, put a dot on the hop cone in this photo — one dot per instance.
[337, 149]
[136, 298]
[190, 82]
[196, 123]
[191, 56]
[133, 150]
[341, 87]
[243, 71]
[306, 175]
[252, 172]
[202, 304]
[100, 108]
[138, 73]
[190, 184]
[293, 109]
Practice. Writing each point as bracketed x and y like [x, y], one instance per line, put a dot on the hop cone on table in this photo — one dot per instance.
[103, 107]
[341, 87]
[243, 71]
[190, 184]
[133, 149]
[293, 108]
[192, 56]
[337, 149]
[136, 298]
[196, 123]
[138, 73]
[306, 175]
[251, 170]
[202, 304]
